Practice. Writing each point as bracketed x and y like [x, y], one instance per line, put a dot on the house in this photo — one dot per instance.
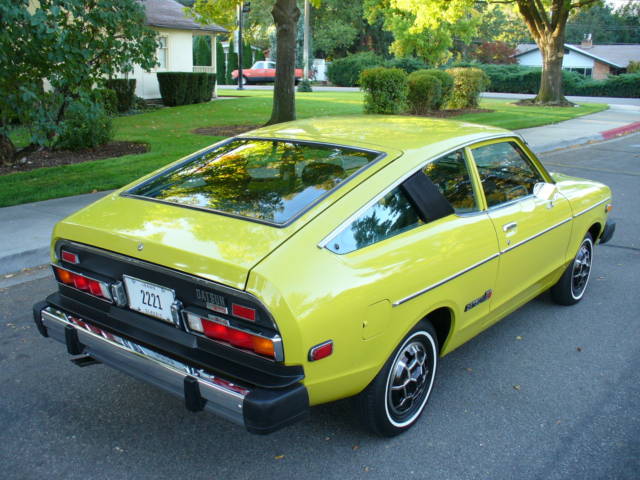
[175, 35]
[595, 61]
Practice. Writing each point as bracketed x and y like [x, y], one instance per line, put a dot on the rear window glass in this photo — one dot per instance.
[268, 180]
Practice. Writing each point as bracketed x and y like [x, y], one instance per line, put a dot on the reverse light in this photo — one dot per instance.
[220, 330]
[83, 283]
[321, 351]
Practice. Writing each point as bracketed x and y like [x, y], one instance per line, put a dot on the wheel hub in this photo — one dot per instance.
[410, 374]
[581, 270]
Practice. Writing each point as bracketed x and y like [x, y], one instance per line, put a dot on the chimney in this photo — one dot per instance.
[586, 41]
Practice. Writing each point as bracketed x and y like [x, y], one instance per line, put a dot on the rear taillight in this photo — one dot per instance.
[245, 313]
[69, 257]
[220, 330]
[83, 283]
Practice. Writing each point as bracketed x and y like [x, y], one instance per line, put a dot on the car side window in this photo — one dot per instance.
[271, 65]
[258, 65]
[389, 216]
[505, 172]
[451, 175]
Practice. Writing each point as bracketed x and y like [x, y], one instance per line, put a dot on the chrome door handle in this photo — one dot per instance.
[509, 226]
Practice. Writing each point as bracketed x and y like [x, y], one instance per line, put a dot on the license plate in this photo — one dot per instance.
[149, 298]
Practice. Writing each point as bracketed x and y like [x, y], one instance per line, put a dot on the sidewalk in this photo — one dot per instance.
[26, 229]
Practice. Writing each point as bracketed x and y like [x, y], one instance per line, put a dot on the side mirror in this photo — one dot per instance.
[545, 191]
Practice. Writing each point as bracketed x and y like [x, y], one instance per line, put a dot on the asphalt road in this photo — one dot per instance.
[548, 393]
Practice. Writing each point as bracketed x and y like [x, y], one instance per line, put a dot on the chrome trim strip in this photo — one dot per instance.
[323, 243]
[224, 398]
[446, 280]
[532, 237]
[462, 272]
[175, 273]
[592, 207]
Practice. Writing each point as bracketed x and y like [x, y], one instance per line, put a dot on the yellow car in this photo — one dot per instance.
[319, 259]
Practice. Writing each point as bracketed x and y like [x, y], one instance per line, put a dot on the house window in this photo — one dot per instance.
[161, 53]
[583, 71]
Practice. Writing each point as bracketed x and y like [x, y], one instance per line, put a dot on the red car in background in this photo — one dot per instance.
[261, 72]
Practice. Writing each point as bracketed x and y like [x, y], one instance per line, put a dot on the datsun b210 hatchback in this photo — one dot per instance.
[316, 260]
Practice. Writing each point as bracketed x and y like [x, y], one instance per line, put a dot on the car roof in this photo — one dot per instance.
[386, 133]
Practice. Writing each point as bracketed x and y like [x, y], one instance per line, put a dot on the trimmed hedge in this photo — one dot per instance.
[467, 85]
[447, 84]
[385, 90]
[519, 79]
[185, 88]
[425, 92]
[125, 89]
[408, 64]
[345, 72]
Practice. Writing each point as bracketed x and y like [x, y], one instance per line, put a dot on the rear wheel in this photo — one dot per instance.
[573, 283]
[244, 80]
[394, 400]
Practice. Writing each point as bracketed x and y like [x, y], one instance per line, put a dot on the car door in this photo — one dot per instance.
[428, 242]
[270, 71]
[533, 233]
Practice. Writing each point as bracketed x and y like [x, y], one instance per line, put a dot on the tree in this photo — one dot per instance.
[494, 52]
[285, 15]
[545, 19]
[425, 28]
[74, 45]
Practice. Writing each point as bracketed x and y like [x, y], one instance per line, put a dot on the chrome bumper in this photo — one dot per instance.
[199, 389]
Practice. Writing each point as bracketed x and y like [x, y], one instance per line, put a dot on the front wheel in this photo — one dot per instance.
[394, 400]
[573, 283]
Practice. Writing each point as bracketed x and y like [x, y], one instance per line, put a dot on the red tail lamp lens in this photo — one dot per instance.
[245, 313]
[80, 282]
[240, 339]
[215, 330]
[95, 288]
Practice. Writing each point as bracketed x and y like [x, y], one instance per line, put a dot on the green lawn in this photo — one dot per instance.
[167, 131]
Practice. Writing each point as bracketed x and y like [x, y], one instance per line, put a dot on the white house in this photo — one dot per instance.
[595, 61]
[175, 34]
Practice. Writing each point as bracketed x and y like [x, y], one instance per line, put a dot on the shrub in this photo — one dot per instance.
[385, 90]
[305, 86]
[345, 72]
[633, 67]
[425, 92]
[85, 125]
[125, 89]
[408, 64]
[107, 98]
[447, 84]
[467, 85]
[625, 85]
[185, 88]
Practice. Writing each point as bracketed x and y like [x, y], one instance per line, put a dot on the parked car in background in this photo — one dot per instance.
[262, 72]
[319, 259]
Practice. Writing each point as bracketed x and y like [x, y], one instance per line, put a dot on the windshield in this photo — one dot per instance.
[272, 181]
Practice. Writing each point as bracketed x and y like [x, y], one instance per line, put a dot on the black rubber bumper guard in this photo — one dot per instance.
[259, 410]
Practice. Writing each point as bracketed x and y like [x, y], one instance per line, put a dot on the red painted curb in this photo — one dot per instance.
[614, 132]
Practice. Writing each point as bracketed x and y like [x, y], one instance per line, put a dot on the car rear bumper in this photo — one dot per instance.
[259, 410]
[609, 230]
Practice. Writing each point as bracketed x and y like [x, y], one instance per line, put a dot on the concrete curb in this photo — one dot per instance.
[624, 130]
[27, 259]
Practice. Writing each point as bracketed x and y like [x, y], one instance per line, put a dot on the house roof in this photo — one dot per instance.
[618, 56]
[170, 14]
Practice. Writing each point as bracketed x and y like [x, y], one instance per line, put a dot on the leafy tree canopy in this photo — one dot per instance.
[74, 45]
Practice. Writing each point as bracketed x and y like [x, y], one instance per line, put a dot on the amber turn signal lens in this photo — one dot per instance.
[263, 346]
[609, 207]
[64, 276]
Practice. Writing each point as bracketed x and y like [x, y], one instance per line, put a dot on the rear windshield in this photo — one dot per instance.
[272, 181]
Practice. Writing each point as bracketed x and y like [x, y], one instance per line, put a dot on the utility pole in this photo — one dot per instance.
[305, 44]
[240, 10]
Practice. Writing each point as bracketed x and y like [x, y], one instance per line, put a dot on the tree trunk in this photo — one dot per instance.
[285, 14]
[7, 150]
[551, 92]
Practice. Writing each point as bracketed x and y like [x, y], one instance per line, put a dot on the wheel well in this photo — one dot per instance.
[595, 231]
[441, 320]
